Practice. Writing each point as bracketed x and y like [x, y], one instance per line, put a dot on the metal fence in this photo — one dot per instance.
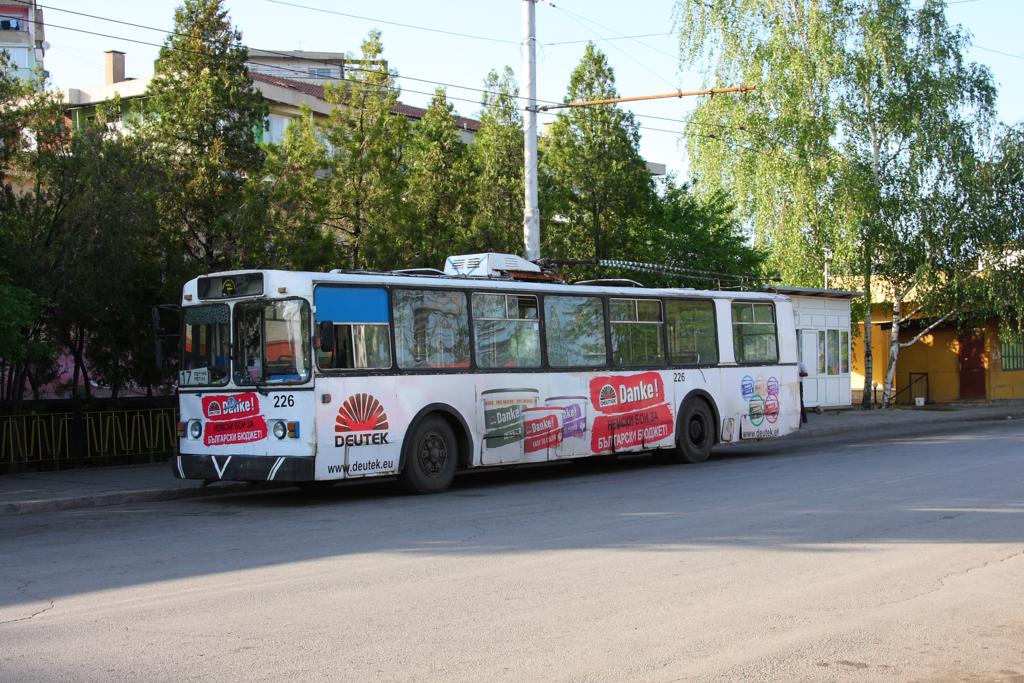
[99, 437]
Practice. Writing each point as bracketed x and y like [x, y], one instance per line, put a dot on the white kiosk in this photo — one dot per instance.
[822, 318]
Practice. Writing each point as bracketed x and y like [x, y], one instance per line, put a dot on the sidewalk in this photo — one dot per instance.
[904, 420]
[99, 486]
[84, 488]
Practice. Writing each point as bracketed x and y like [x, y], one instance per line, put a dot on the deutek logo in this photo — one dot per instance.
[607, 396]
[361, 421]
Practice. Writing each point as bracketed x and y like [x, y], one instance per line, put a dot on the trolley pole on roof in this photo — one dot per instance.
[531, 210]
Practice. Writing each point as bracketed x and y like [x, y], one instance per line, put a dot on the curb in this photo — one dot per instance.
[224, 488]
[120, 498]
[905, 428]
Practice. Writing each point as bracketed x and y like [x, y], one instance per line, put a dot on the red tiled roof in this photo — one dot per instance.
[317, 91]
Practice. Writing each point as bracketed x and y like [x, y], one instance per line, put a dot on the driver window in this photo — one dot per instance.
[362, 338]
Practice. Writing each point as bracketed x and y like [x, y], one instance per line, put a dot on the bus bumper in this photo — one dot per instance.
[243, 468]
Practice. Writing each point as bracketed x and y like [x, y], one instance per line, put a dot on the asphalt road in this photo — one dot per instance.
[890, 559]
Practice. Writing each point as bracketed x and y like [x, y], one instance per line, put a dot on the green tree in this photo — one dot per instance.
[439, 175]
[85, 212]
[20, 307]
[597, 193]
[204, 122]
[299, 199]
[700, 233]
[366, 138]
[497, 154]
[996, 212]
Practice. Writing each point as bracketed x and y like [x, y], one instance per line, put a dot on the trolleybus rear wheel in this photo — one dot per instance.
[696, 432]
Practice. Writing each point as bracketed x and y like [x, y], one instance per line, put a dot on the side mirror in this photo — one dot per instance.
[166, 319]
[325, 334]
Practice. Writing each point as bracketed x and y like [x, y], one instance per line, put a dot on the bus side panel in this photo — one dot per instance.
[360, 426]
[765, 400]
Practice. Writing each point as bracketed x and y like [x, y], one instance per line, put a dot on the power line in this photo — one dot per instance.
[396, 23]
[142, 42]
[306, 75]
[998, 52]
[620, 35]
[572, 16]
[589, 40]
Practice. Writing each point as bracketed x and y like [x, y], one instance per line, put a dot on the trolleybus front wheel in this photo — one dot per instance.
[431, 457]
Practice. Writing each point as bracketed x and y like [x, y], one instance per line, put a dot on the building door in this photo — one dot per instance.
[809, 356]
[972, 365]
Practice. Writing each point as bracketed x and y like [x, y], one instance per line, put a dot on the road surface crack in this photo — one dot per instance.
[945, 577]
[23, 589]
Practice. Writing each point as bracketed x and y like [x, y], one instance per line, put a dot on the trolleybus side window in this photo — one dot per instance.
[357, 318]
[272, 342]
[205, 357]
[431, 328]
[506, 330]
[574, 330]
[691, 332]
[753, 333]
[636, 332]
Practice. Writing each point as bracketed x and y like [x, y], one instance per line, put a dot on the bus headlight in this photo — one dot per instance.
[280, 429]
[195, 429]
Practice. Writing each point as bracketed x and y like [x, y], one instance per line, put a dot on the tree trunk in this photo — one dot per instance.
[868, 360]
[894, 352]
[33, 385]
[74, 375]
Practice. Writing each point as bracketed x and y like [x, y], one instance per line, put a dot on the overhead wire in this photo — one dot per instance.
[620, 36]
[396, 23]
[418, 92]
[572, 16]
[590, 40]
[305, 74]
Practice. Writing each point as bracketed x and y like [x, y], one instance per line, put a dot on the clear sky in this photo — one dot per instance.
[642, 65]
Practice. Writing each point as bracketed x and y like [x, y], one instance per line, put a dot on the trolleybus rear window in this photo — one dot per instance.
[753, 333]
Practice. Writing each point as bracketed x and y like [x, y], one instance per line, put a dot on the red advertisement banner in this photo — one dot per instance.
[631, 430]
[236, 431]
[624, 393]
[234, 407]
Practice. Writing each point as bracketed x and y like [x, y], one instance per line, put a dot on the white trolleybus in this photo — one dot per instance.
[302, 377]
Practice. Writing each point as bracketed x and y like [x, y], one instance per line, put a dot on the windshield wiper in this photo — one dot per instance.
[251, 380]
[243, 374]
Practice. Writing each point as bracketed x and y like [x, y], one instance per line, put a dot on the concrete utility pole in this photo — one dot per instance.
[531, 211]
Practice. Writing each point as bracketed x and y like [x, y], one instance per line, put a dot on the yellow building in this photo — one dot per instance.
[947, 364]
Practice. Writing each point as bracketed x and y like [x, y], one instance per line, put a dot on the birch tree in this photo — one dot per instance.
[915, 112]
[864, 125]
